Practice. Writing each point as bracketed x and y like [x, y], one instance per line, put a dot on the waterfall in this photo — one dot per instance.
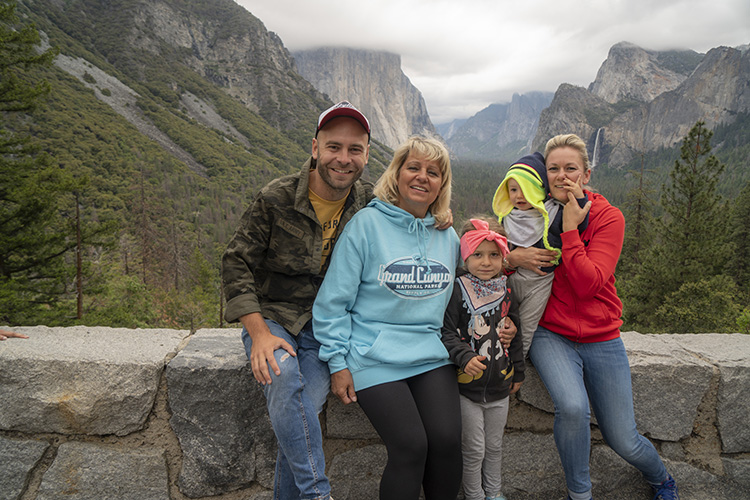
[595, 155]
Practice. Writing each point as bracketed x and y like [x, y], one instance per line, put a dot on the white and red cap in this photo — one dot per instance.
[344, 108]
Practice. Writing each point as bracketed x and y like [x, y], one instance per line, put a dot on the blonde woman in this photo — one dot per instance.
[577, 348]
[378, 317]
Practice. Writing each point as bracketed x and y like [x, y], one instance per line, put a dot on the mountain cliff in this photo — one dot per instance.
[374, 82]
[635, 74]
[642, 101]
[500, 131]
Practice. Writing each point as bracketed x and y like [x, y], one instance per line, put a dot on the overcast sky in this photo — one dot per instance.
[464, 55]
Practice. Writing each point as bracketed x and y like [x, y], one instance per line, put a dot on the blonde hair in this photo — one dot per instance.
[572, 141]
[386, 188]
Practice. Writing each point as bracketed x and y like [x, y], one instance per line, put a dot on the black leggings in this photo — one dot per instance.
[419, 420]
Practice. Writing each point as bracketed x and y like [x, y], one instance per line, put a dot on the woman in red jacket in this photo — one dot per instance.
[577, 349]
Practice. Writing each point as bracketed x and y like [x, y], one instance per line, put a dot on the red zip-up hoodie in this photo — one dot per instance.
[584, 306]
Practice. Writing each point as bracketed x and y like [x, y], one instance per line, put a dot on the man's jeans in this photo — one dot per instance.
[576, 374]
[294, 400]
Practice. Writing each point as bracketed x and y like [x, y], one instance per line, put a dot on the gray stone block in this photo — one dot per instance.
[730, 353]
[219, 416]
[669, 384]
[82, 380]
[531, 467]
[738, 470]
[355, 474]
[85, 471]
[613, 478]
[17, 460]
[697, 484]
[533, 391]
[347, 421]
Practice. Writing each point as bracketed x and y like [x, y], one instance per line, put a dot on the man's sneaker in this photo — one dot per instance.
[666, 490]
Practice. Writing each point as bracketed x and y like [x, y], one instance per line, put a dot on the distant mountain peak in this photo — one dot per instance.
[631, 73]
[642, 100]
[374, 82]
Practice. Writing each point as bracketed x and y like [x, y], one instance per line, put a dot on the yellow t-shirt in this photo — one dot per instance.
[329, 215]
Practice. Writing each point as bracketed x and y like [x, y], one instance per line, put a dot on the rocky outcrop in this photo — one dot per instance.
[232, 48]
[500, 131]
[632, 118]
[631, 73]
[715, 92]
[207, 432]
[573, 110]
[374, 82]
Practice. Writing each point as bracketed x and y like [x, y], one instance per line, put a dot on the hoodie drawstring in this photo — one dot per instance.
[418, 227]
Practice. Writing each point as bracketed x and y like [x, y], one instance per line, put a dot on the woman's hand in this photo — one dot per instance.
[574, 187]
[531, 258]
[342, 386]
[573, 214]
[448, 221]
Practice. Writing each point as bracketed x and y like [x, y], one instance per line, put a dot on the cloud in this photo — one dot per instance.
[464, 56]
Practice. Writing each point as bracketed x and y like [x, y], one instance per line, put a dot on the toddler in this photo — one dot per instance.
[531, 218]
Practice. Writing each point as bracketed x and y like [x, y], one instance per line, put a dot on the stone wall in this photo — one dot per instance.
[102, 413]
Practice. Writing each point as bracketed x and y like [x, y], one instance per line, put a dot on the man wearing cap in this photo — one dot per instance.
[271, 272]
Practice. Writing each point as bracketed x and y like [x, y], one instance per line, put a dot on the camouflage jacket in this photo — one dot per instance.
[272, 264]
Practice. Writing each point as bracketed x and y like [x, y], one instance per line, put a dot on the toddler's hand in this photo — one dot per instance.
[475, 366]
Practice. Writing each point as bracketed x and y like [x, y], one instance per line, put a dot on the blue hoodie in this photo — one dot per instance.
[380, 309]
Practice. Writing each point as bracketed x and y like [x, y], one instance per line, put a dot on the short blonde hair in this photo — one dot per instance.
[386, 188]
[572, 141]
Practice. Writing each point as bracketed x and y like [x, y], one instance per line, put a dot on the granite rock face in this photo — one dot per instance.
[373, 82]
[642, 100]
[250, 63]
[635, 74]
[501, 131]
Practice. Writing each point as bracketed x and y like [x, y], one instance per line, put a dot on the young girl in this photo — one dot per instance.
[531, 218]
[488, 372]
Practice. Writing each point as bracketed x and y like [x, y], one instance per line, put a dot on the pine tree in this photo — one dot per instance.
[639, 228]
[693, 241]
[740, 236]
[31, 266]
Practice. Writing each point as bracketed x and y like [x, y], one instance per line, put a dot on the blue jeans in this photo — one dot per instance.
[294, 399]
[576, 374]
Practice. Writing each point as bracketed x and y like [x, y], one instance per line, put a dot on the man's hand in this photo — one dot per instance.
[507, 332]
[5, 334]
[342, 386]
[515, 386]
[263, 346]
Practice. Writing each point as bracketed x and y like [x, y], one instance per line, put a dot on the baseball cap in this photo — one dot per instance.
[344, 108]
